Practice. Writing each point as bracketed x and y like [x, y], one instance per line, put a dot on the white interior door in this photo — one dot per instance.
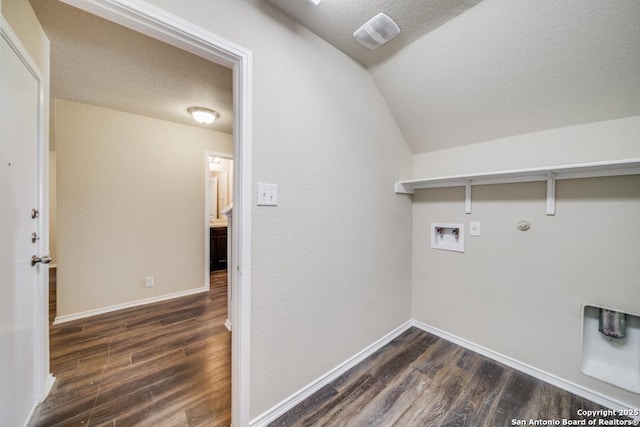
[20, 282]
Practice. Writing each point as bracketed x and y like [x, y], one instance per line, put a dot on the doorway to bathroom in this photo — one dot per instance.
[219, 220]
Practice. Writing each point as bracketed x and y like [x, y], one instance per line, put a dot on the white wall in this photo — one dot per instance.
[131, 203]
[331, 263]
[518, 293]
[593, 142]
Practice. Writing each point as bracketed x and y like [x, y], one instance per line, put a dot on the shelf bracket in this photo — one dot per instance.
[467, 197]
[551, 193]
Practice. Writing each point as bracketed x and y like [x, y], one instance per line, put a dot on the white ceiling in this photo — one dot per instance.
[97, 62]
[336, 20]
[497, 69]
[461, 72]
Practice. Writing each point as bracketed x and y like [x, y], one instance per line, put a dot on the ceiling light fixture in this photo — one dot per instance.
[377, 31]
[316, 2]
[203, 115]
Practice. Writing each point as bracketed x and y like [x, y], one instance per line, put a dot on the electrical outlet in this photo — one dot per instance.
[148, 281]
[474, 228]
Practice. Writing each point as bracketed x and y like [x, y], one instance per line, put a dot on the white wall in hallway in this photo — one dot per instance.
[130, 204]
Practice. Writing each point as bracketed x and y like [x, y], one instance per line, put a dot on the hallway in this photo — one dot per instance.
[167, 363]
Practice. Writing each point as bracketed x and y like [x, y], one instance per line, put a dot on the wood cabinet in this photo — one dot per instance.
[218, 248]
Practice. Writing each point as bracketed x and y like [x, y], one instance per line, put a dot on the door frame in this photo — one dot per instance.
[42, 372]
[157, 23]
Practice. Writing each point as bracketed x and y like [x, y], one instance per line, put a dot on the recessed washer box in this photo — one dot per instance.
[447, 236]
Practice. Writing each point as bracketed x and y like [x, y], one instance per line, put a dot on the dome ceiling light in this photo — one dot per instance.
[203, 115]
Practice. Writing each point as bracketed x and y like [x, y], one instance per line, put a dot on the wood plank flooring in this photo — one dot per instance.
[168, 364]
[419, 379]
[164, 364]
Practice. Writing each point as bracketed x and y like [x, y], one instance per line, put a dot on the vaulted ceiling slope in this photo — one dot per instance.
[336, 20]
[508, 67]
[97, 62]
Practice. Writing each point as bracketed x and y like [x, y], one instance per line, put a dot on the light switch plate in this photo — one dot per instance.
[267, 194]
[474, 228]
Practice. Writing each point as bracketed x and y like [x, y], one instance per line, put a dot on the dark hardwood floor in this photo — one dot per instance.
[169, 364]
[164, 364]
[421, 380]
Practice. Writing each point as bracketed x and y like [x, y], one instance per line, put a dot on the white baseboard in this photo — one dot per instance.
[227, 324]
[89, 313]
[48, 384]
[290, 402]
[554, 380]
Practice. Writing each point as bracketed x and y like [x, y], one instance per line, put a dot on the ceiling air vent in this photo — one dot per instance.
[377, 31]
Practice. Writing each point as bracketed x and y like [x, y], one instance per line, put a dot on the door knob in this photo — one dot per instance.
[44, 260]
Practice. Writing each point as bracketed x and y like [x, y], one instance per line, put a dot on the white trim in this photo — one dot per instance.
[296, 398]
[290, 402]
[103, 310]
[207, 230]
[161, 25]
[571, 171]
[547, 377]
[547, 173]
[48, 385]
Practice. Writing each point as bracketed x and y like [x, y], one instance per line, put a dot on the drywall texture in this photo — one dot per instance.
[522, 294]
[594, 142]
[131, 203]
[506, 68]
[331, 263]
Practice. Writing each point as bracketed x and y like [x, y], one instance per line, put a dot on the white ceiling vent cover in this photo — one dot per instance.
[377, 31]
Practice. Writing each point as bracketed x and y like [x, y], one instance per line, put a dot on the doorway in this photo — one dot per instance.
[219, 219]
[159, 25]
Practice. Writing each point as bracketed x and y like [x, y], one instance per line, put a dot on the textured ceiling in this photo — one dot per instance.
[461, 72]
[460, 75]
[336, 20]
[511, 67]
[97, 62]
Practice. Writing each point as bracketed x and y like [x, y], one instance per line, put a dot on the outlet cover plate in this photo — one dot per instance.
[474, 228]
